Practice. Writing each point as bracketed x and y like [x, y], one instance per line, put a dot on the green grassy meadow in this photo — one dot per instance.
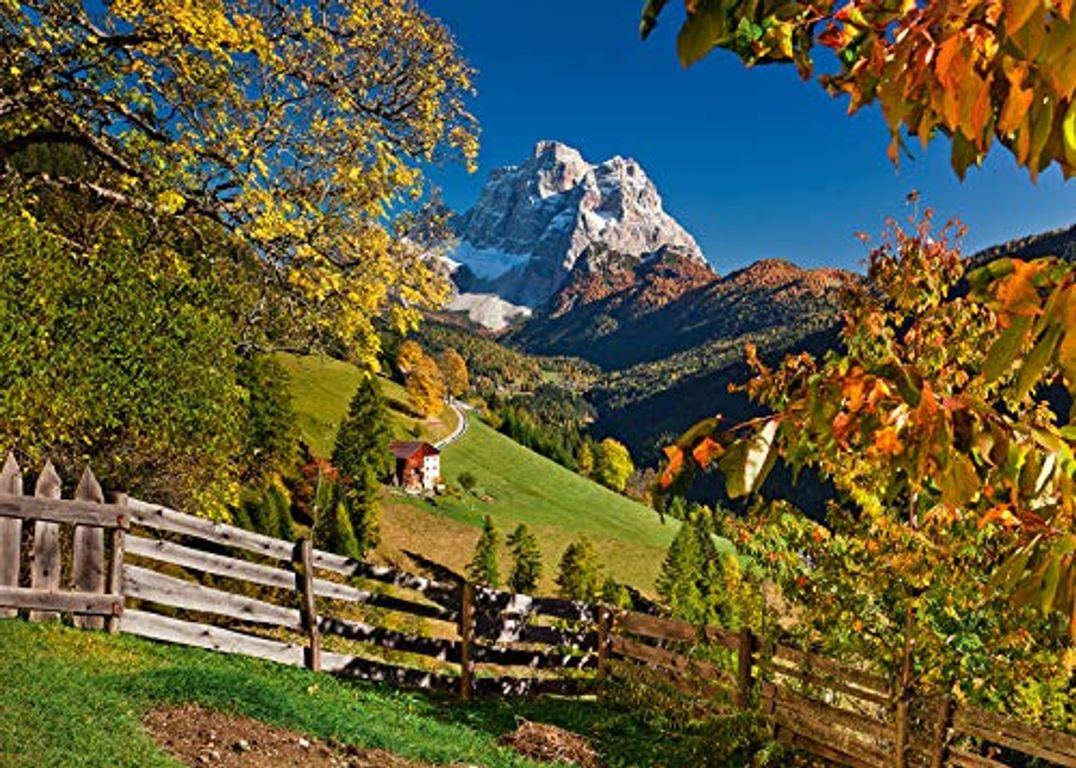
[321, 389]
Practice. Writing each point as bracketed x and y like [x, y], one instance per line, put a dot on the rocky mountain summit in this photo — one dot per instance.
[533, 222]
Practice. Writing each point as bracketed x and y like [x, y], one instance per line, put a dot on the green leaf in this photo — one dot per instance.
[1036, 361]
[1003, 350]
[747, 462]
[702, 30]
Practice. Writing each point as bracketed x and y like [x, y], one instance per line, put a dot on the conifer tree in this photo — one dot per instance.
[526, 560]
[361, 455]
[681, 575]
[579, 577]
[615, 594]
[332, 524]
[483, 567]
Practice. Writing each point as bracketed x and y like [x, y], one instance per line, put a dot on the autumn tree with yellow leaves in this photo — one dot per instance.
[296, 128]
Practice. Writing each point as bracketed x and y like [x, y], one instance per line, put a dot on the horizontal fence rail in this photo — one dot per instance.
[151, 571]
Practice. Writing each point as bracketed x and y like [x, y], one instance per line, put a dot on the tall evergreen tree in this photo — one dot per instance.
[361, 455]
[526, 560]
[332, 524]
[579, 577]
[681, 575]
[483, 567]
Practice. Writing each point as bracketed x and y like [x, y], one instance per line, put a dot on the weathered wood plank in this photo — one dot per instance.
[115, 573]
[659, 657]
[655, 626]
[964, 759]
[144, 584]
[820, 664]
[157, 627]
[856, 721]
[169, 520]
[271, 576]
[812, 678]
[444, 594]
[826, 751]
[61, 511]
[45, 559]
[88, 551]
[10, 530]
[380, 672]
[436, 648]
[843, 742]
[1054, 746]
[54, 603]
[531, 686]
[558, 637]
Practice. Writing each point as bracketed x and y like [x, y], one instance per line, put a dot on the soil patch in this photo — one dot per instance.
[203, 737]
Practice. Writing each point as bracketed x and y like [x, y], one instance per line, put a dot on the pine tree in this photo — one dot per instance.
[483, 566]
[579, 577]
[526, 560]
[681, 573]
[615, 594]
[332, 524]
[361, 455]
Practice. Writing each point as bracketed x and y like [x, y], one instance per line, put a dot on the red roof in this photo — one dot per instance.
[405, 449]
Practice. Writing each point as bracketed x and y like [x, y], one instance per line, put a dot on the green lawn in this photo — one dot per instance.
[74, 699]
[321, 389]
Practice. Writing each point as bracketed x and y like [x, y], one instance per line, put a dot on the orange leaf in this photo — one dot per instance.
[1016, 106]
[1017, 292]
[1017, 13]
[887, 442]
[706, 451]
[676, 461]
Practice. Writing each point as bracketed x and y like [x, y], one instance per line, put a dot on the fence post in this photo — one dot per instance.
[45, 558]
[605, 622]
[745, 654]
[88, 551]
[10, 531]
[941, 732]
[308, 610]
[466, 641]
[115, 570]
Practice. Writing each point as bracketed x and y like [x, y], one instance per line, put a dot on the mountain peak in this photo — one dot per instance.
[532, 221]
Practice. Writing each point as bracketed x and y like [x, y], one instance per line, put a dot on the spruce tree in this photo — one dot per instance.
[361, 455]
[681, 573]
[483, 566]
[332, 524]
[579, 577]
[526, 560]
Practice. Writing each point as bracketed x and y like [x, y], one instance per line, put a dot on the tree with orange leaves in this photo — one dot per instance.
[977, 71]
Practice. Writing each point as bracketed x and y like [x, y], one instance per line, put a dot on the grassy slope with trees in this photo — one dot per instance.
[517, 484]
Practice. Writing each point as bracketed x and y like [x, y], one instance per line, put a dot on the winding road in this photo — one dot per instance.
[462, 417]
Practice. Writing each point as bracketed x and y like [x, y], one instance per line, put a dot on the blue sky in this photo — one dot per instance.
[755, 163]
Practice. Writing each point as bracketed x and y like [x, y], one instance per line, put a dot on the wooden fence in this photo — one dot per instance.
[143, 569]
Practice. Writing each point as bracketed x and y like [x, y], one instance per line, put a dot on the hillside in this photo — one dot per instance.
[321, 389]
[514, 485]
